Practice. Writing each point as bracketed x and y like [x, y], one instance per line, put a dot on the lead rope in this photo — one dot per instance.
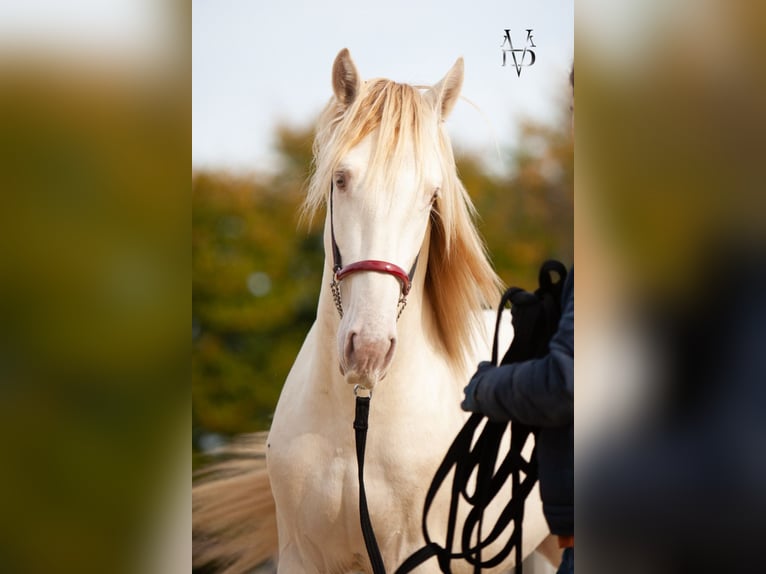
[360, 431]
[465, 461]
[467, 457]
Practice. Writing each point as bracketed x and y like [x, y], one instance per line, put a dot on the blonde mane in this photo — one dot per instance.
[460, 280]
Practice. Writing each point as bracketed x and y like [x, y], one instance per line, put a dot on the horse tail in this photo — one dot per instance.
[234, 517]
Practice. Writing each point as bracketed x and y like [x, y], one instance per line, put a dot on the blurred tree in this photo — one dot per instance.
[255, 281]
[256, 274]
[526, 213]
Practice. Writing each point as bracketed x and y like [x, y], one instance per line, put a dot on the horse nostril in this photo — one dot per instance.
[367, 354]
[349, 350]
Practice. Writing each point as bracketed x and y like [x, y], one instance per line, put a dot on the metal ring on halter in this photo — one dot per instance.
[356, 391]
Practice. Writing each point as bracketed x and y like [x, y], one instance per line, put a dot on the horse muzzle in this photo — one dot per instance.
[366, 358]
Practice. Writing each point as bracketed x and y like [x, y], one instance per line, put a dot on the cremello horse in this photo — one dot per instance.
[397, 213]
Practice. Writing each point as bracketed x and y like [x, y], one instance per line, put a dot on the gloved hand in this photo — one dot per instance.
[470, 403]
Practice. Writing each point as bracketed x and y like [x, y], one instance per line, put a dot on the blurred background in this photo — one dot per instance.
[670, 412]
[95, 269]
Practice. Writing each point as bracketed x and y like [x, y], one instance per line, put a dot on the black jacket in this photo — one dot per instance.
[540, 393]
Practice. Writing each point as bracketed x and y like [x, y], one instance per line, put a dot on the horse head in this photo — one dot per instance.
[380, 155]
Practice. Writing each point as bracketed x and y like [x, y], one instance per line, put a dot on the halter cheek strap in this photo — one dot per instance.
[340, 272]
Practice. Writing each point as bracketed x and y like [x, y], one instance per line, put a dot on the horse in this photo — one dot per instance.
[401, 317]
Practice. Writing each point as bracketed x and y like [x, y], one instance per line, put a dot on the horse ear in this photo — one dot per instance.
[345, 78]
[444, 94]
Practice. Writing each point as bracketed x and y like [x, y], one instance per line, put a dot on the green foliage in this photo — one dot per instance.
[257, 273]
[526, 214]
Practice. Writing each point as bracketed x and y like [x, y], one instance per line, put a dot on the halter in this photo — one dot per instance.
[340, 272]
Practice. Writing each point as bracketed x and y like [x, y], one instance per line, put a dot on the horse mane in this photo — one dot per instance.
[460, 281]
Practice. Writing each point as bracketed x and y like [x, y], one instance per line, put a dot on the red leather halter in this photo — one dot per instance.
[340, 272]
[379, 267]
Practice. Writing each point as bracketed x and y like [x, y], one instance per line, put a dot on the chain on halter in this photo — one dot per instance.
[339, 272]
[335, 288]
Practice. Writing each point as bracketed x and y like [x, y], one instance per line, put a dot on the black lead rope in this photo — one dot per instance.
[360, 428]
[479, 460]
[466, 460]
[535, 319]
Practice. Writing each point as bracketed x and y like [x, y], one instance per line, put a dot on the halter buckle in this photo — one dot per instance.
[357, 388]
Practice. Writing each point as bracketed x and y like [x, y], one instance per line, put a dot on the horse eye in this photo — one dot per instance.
[340, 180]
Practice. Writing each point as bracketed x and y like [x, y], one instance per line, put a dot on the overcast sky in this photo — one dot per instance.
[257, 63]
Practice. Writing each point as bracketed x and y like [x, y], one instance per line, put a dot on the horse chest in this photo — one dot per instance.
[313, 467]
[315, 483]
[316, 472]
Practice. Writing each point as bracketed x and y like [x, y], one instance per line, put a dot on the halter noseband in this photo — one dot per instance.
[340, 272]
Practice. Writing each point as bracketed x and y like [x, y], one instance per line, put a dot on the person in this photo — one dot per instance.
[540, 393]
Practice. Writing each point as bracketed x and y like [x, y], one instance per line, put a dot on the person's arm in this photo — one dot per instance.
[538, 392]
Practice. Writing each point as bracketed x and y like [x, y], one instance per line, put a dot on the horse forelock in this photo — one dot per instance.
[398, 115]
[460, 281]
